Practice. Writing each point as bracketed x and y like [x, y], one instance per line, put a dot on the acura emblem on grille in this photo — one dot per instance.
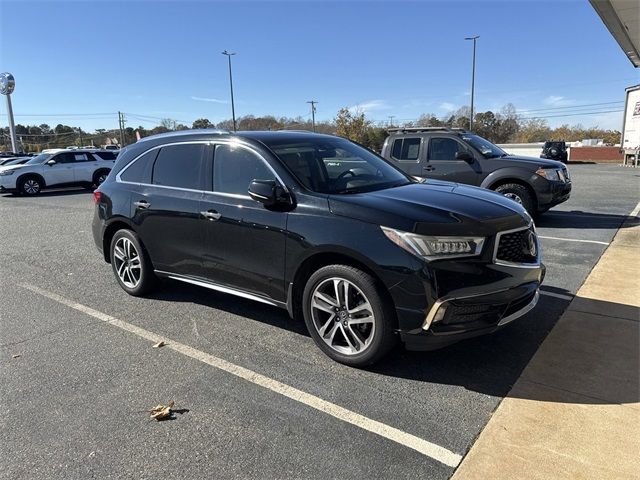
[529, 244]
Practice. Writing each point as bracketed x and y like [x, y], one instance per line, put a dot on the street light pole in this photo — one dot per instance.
[233, 108]
[473, 78]
[313, 113]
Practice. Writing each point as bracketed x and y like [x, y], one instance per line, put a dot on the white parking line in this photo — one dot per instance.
[556, 295]
[574, 240]
[635, 211]
[420, 445]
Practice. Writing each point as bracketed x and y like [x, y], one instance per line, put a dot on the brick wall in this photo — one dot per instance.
[595, 154]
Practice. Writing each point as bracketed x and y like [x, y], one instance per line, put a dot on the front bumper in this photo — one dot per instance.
[554, 194]
[471, 317]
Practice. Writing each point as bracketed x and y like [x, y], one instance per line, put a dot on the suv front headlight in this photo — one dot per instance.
[549, 174]
[435, 247]
[7, 172]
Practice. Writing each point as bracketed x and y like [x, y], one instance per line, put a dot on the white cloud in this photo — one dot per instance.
[447, 106]
[370, 106]
[558, 101]
[205, 99]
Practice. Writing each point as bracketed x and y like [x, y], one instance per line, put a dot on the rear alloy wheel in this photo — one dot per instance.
[30, 186]
[99, 177]
[519, 194]
[346, 316]
[132, 268]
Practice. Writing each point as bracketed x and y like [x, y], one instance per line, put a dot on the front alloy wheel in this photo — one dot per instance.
[31, 186]
[348, 315]
[342, 316]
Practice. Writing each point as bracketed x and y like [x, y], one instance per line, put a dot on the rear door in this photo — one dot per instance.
[407, 153]
[84, 165]
[167, 208]
[441, 161]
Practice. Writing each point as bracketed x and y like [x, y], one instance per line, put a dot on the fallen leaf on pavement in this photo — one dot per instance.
[17, 355]
[161, 412]
[159, 344]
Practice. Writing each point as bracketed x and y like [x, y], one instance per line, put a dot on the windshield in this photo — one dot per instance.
[485, 147]
[43, 157]
[336, 165]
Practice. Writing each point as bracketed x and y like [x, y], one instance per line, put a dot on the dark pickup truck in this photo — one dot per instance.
[457, 155]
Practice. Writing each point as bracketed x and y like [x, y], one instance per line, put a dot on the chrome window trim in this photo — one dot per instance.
[203, 142]
[504, 263]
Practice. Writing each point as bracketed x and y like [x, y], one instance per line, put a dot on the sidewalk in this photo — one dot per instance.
[575, 411]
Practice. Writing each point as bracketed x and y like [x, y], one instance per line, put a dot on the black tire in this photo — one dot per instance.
[30, 185]
[142, 280]
[518, 193]
[100, 176]
[381, 336]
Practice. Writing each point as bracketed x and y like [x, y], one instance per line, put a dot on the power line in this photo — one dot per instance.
[569, 107]
[573, 114]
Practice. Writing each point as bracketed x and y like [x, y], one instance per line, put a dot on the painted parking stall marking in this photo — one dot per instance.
[556, 295]
[573, 240]
[431, 450]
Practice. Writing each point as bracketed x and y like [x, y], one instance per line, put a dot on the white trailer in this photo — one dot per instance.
[630, 142]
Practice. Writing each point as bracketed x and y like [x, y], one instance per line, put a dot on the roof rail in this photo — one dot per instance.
[426, 129]
[176, 133]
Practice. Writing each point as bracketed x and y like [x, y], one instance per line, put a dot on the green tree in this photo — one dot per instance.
[202, 123]
[352, 125]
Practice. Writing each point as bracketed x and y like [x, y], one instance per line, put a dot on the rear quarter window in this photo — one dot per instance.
[140, 170]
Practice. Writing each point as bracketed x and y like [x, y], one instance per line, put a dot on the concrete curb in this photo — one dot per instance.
[574, 413]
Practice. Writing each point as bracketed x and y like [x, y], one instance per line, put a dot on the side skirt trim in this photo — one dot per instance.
[220, 288]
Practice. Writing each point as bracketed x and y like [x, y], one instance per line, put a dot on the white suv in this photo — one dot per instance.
[58, 168]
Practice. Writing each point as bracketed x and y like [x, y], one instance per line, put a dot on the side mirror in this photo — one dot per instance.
[267, 192]
[466, 156]
[51, 162]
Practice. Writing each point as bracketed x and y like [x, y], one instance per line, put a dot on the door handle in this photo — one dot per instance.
[142, 204]
[211, 215]
[428, 168]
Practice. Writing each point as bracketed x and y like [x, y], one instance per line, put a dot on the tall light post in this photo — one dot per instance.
[473, 78]
[233, 108]
[7, 84]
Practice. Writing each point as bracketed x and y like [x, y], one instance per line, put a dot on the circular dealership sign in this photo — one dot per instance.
[7, 83]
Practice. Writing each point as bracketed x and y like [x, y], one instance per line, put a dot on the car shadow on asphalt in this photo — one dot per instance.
[490, 364]
[50, 193]
[580, 219]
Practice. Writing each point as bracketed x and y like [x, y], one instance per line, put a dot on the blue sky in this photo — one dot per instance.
[162, 59]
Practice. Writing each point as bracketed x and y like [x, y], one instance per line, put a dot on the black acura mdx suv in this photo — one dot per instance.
[322, 227]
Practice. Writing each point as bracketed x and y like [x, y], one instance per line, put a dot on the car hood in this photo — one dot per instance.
[434, 208]
[539, 162]
[10, 167]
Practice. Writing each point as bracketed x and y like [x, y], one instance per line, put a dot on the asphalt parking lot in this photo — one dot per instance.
[74, 401]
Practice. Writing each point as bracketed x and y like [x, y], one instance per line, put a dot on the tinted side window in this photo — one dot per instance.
[406, 149]
[140, 170]
[179, 166]
[234, 167]
[63, 158]
[106, 155]
[81, 157]
[443, 149]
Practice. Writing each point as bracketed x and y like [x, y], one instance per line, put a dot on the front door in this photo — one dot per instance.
[406, 153]
[61, 172]
[442, 164]
[244, 242]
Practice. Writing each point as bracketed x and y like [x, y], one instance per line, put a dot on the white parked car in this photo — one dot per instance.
[58, 168]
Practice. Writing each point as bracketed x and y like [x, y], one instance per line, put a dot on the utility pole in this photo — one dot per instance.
[313, 113]
[121, 122]
[473, 78]
[391, 117]
[233, 109]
